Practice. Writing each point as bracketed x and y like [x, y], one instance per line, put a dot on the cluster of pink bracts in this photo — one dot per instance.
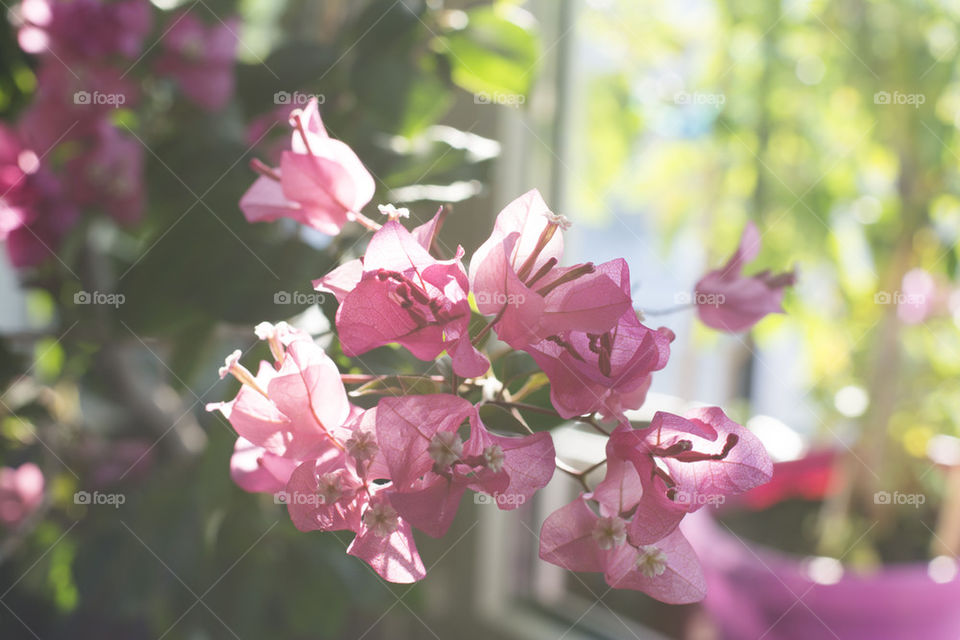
[66, 153]
[406, 462]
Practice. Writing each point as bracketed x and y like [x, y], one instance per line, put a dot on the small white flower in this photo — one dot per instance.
[561, 221]
[329, 488]
[392, 212]
[609, 532]
[651, 562]
[230, 363]
[362, 445]
[381, 519]
[493, 455]
[445, 448]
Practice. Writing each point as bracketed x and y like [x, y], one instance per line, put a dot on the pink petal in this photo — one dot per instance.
[405, 426]
[432, 507]
[256, 470]
[341, 280]
[681, 583]
[308, 512]
[566, 538]
[394, 558]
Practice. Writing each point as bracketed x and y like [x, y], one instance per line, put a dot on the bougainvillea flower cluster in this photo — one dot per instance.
[404, 462]
[67, 155]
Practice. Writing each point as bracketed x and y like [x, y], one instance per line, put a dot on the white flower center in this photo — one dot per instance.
[362, 446]
[609, 532]
[329, 488]
[494, 457]
[445, 448]
[558, 220]
[381, 519]
[651, 562]
[392, 212]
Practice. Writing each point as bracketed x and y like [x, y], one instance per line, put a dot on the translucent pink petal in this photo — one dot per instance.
[566, 538]
[681, 582]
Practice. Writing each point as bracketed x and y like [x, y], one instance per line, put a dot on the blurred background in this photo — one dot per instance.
[658, 128]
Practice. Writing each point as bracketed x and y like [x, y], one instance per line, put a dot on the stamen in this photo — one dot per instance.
[544, 270]
[392, 212]
[566, 346]
[257, 165]
[569, 276]
[232, 366]
[297, 120]
[545, 236]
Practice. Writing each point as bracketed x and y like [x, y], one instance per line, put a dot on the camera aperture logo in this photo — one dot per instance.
[500, 499]
[506, 99]
[700, 299]
[899, 298]
[297, 98]
[912, 99]
[500, 299]
[96, 498]
[298, 297]
[299, 498]
[715, 100]
[897, 498]
[698, 499]
[98, 297]
[115, 100]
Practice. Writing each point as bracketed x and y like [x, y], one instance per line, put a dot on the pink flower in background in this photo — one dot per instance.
[73, 104]
[403, 294]
[577, 539]
[109, 176]
[321, 182]
[431, 466]
[729, 301]
[21, 493]
[34, 214]
[514, 276]
[83, 29]
[201, 58]
[607, 371]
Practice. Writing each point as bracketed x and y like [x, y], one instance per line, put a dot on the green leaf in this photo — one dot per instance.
[492, 55]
